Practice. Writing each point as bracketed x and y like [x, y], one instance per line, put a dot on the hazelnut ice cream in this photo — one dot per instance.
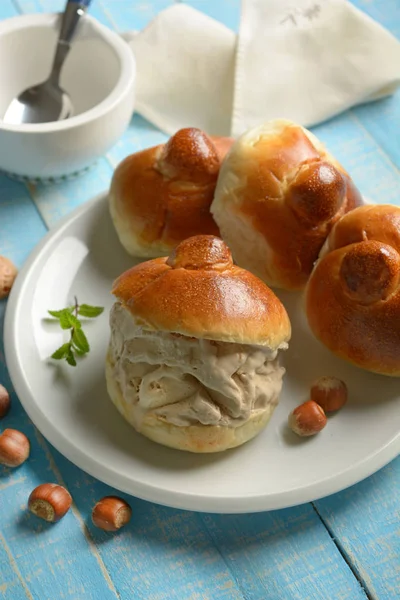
[193, 357]
[189, 381]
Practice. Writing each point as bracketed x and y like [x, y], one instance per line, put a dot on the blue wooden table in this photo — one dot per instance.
[346, 546]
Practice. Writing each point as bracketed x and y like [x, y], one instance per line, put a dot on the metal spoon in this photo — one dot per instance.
[47, 101]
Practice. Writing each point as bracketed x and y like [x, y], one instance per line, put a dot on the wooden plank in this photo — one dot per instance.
[12, 585]
[139, 135]
[216, 557]
[54, 200]
[226, 11]
[43, 560]
[381, 118]
[361, 155]
[386, 12]
[125, 15]
[53, 561]
[162, 554]
[283, 554]
[34, 6]
[28, 6]
[7, 9]
[16, 210]
[40, 560]
[364, 520]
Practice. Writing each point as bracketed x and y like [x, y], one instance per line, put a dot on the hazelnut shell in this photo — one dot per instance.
[14, 448]
[307, 419]
[111, 513]
[50, 502]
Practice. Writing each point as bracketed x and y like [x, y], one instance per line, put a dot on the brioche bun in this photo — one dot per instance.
[353, 295]
[161, 195]
[279, 193]
[197, 293]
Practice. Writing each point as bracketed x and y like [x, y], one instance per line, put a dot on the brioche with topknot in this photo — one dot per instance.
[199, 300]
[353, 294]
[161, 195]
[279, 193]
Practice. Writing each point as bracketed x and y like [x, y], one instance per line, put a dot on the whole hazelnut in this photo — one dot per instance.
[4, 401]
[14, 448]
[8, 273]
[111, 513]
[50, 502]
[307, 419]
[330, 393]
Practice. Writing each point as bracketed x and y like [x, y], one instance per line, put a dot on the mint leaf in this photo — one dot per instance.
[73, 321]
[85, 310]
[55, 313]
[61, 352]
[68, 318]
[79, 352]
[79, 340]
[58, 313]
[64, 316]
[71, 358]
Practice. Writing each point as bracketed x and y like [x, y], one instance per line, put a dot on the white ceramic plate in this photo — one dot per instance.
[70, 406]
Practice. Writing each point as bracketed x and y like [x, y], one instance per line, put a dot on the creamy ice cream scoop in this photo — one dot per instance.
[187, 380]
[193, 357]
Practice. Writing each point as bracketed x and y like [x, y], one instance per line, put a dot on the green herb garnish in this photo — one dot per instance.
[68, 318]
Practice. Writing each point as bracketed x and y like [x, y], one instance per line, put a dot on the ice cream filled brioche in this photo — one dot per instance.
[193, 360]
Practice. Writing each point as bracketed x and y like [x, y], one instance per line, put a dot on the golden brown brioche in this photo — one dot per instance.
[353, 294]
[162, 195]
[278, 195]
[212, 329]
[198, 291]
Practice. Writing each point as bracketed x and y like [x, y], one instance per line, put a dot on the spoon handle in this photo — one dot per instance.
[73, 12]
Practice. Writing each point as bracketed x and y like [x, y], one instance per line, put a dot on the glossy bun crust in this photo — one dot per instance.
[198, 291]
[278, 195]
[353, 295]
[162, 195]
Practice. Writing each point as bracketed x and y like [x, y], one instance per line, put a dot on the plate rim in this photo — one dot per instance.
[182, 500]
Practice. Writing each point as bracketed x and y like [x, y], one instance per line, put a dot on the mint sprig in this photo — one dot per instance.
[68, 318]
[90, 311]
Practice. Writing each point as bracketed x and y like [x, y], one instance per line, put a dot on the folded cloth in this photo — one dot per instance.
[305, 61]
[185, 71]
[310, 62]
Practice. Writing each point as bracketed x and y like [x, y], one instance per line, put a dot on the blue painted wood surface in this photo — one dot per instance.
[346, 546]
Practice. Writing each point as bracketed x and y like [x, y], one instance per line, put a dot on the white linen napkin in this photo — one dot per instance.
[306, 61]
[185, 71]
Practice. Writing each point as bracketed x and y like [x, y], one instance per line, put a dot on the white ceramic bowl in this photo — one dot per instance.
[99, 74]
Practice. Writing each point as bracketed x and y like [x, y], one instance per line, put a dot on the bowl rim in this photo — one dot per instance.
[121, 88]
